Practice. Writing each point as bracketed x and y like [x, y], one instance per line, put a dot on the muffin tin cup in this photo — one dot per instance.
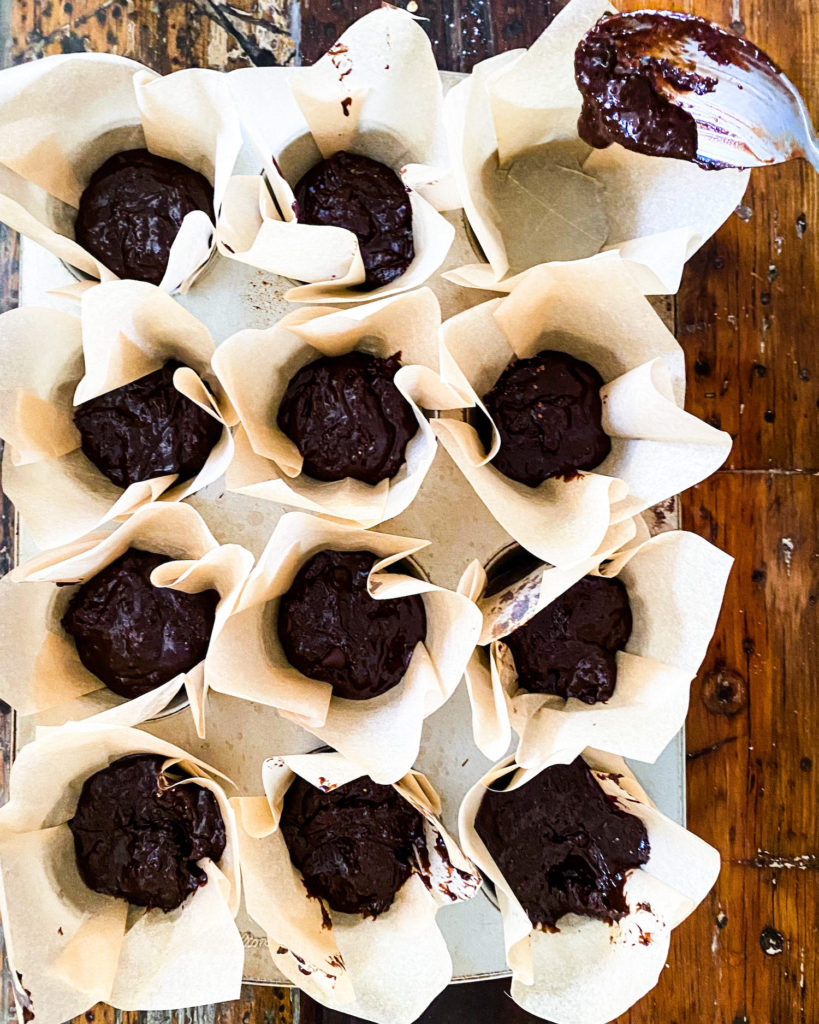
[255, 368]
[587, 968]
[88, 107]
[385, 968]
[42, 674]
[71, 946]
[126, 330]
[675, 583]
[382, 734]
[593, 311]
[353, 100]
[515, 120]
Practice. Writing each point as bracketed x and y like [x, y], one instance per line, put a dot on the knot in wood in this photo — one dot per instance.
[724, 691]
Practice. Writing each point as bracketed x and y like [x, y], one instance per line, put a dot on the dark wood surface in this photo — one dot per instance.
[748, 318]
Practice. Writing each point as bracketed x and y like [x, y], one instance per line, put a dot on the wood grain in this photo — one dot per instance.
[747, 317]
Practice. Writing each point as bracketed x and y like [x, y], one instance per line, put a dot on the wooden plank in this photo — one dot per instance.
[517, 23]
[752, 785]
[165, 35]
[749, 315]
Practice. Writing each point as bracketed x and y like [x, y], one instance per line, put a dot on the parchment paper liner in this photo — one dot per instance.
[675, 584]
[593, 311]
[386, 969]
[255, 367]
[376, 92]
[383, 734]
[658, 211]
[590, 972]
[127, 329]
[75, 947]
[40, 670]
[62, 117]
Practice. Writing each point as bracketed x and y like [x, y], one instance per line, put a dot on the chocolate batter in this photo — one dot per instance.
[369, 199]
[355, 846]
[146, 429]
[568, 648]
[136, 841]
[132, 211]
[347, 418]
[548, 412]
[563, 845]
[135, 636]
[332, 630]
[621, 80]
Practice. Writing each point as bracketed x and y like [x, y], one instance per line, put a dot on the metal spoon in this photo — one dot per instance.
[744, 110]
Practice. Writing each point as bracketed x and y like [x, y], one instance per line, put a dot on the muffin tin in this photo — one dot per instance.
[231, 296]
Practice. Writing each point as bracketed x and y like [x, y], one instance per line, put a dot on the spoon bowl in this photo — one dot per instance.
[743, 110]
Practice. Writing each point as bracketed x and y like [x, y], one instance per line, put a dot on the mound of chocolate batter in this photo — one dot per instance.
[563, 846]
[369, 199]
[548, 412]
[146, 429]
[135, 636]
[355, 846]
[568, 648]
[132, 211]
[332, 630]
[619, 77]
[141, 843]
[347, 418]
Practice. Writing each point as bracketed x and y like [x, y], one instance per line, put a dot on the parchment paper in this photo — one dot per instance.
[675, 583]
[589, 972]
[41, 672]
[382, 734]
[491, 728]
[255, 368]
[593, 311]
[387, 969]
[127, 329]
[74, 947]
[62, 117]
[534, 192]
[376, 92]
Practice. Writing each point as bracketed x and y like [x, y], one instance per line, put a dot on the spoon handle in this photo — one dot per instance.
[812, 151]
[811, 143]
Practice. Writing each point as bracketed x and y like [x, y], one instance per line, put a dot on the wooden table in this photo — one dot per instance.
[747, 316]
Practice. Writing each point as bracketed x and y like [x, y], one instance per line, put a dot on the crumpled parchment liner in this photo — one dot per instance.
[593, 311]
[74, 947]
[127, 329]
[589, 972]
[63, 116]
[376, 92]
[382, 734]
[386, 969]
[658, 211]
[675, 584]
[255, 368]
[491, 728]
[40, 670]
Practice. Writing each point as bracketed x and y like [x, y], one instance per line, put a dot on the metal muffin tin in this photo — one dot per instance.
[228, 297]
